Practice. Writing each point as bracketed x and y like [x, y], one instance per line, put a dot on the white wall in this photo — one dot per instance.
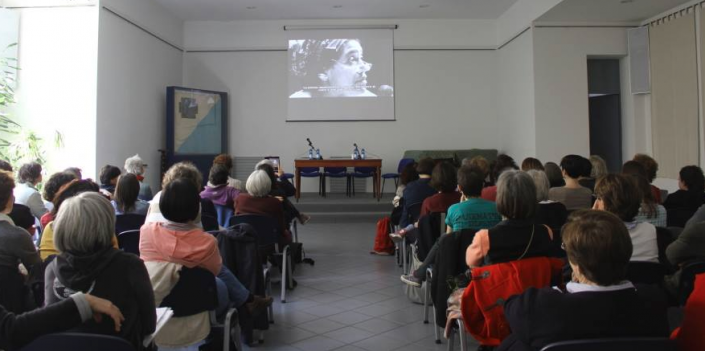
[411, 34]
[444, 100]
[57, 81]
[134, 69]
[151, 16]
[515, 102]
[560, 73]
[520, 16]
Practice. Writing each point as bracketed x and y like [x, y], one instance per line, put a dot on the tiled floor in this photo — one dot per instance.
[350, 300]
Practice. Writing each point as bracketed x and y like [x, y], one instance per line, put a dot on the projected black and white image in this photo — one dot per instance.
[332, 68]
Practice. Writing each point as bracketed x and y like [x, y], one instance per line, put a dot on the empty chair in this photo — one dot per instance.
[365, 172]
[78, 342]
[312, 172]
[335, 172]
[125, 222]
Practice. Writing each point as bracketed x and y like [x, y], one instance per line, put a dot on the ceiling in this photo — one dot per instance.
[607, 10]
[231, 10]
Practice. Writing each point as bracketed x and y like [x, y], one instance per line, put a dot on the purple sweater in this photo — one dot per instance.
[223, 195]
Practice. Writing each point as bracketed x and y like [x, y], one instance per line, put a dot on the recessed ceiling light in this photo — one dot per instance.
[337, 6]
[424, 6]
[626, 1]
[251, 7]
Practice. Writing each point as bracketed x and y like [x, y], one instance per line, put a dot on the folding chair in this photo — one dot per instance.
[78, 342]
[364, 172]
[130, 221]
[614, 344]
[129, 241]
[268, 235]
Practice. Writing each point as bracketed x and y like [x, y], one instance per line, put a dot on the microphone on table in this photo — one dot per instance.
[310, 144]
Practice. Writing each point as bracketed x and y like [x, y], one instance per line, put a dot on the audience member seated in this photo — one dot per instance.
[77, 173]
[690, 196]
[136, 166]
[619, 195]
[218, 189]
[227, 161]
[21, 329]
[689, 246]
[83, 233]
[502, 163]
[585, 178]
[26, 193]
[598, 303]
[650, 211]
[472, 212]
[598, 169]
[126, 198]
[108, 179]
[444, 180]
[15, 247]
[554, 174]
[407, 175]
[52, 186]
[530, 163]
[690, 334]
[517, 236]
[573, 195]
[179, 241]
[418, 190]
[184, 169]
[282, 189]
[46, 243]
[258, 201]
[23, 218]
[550, 213]
[651, 167]
[480, 165]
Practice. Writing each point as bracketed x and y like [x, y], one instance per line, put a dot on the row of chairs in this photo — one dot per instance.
[638, 272]
[358, 172]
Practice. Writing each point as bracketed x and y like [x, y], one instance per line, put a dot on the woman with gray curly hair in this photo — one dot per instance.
[136, 166]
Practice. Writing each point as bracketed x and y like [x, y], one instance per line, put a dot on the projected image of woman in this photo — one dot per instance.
[329, 68]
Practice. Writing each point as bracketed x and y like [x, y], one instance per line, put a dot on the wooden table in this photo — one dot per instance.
[340, 162]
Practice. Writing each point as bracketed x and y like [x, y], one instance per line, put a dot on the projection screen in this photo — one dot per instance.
[341, 75]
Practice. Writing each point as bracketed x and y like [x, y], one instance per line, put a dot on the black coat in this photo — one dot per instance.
[240, 252]
[429, 232]
[539, 317]
[450, 262]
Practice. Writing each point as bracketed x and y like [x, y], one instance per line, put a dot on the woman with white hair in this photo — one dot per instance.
[258, 201]
[517, 236]
[83, 233]
[136, 166]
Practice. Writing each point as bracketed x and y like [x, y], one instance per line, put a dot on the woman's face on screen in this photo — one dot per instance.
[349, 72]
